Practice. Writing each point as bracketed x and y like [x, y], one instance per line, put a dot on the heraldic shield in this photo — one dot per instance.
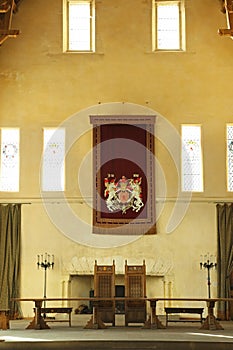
[123, 194]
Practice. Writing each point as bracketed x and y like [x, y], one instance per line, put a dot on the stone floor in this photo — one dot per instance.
[182, 335]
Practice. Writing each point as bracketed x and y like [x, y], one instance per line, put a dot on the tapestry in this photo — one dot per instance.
[124, 183]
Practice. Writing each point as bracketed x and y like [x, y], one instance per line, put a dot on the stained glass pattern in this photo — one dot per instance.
[53, 173]
[192, 173]
[9, 166]
[230, 157]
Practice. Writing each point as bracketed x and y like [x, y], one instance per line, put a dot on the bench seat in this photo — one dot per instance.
[183, 310]
[57, 310]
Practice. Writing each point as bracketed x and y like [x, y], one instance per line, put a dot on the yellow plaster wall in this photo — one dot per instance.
[41, 86]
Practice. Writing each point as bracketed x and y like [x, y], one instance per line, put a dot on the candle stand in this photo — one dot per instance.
[45, 261]
[208, 263]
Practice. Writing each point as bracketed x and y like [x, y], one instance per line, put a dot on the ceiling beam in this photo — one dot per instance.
[6, 11]
[10, 32]
[228, 4]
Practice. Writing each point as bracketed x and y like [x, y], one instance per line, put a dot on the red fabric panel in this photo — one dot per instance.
[123, 153]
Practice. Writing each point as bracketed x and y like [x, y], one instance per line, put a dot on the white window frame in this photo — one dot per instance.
[182, 40]
[66, 14]
[192, 167]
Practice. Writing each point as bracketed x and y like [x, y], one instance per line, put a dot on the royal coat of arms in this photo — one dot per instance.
[123, 194]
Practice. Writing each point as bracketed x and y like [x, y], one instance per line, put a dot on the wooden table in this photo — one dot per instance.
[153, 322]
[95, 322]
[39, 322]
[209, 323]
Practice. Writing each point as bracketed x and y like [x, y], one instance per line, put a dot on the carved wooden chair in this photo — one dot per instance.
[104, 287]
[135, 287]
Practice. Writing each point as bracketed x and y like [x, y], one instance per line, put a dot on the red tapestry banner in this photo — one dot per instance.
[124, 184]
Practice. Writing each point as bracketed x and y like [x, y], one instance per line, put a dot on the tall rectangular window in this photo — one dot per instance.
[229, 141]
[79, 25]
[168, 20]
[191, 159]
[9, 165]
[53, 169]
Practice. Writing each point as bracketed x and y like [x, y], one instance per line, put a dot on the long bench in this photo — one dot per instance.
[183, 310]
[57, 310]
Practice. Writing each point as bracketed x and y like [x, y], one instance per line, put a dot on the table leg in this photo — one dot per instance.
[38, 321]
[4, 319]
[95, 322]
[153, 321]
[210, 322]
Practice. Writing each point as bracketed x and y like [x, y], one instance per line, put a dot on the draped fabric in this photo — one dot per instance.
[123, 157]
[10, 242]
[225, 257]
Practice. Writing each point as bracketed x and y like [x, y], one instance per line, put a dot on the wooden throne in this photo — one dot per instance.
[104, 287]
[135, 287]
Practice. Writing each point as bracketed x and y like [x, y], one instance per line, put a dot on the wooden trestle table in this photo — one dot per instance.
[210, 322]
[153, 322]
[95, 322]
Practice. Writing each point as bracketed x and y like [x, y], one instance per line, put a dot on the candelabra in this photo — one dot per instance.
[45, 261]
[208, 262]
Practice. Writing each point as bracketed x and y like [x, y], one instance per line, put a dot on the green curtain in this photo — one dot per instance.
[10, 244]
[225, 257]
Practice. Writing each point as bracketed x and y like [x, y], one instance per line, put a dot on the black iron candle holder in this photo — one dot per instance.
[208, 262]
[45, 261]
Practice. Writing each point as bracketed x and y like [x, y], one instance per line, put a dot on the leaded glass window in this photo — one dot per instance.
[79, 25]
[9, 166]
[229, 157]
[53, 170]
[168, 25]
[192, 168]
